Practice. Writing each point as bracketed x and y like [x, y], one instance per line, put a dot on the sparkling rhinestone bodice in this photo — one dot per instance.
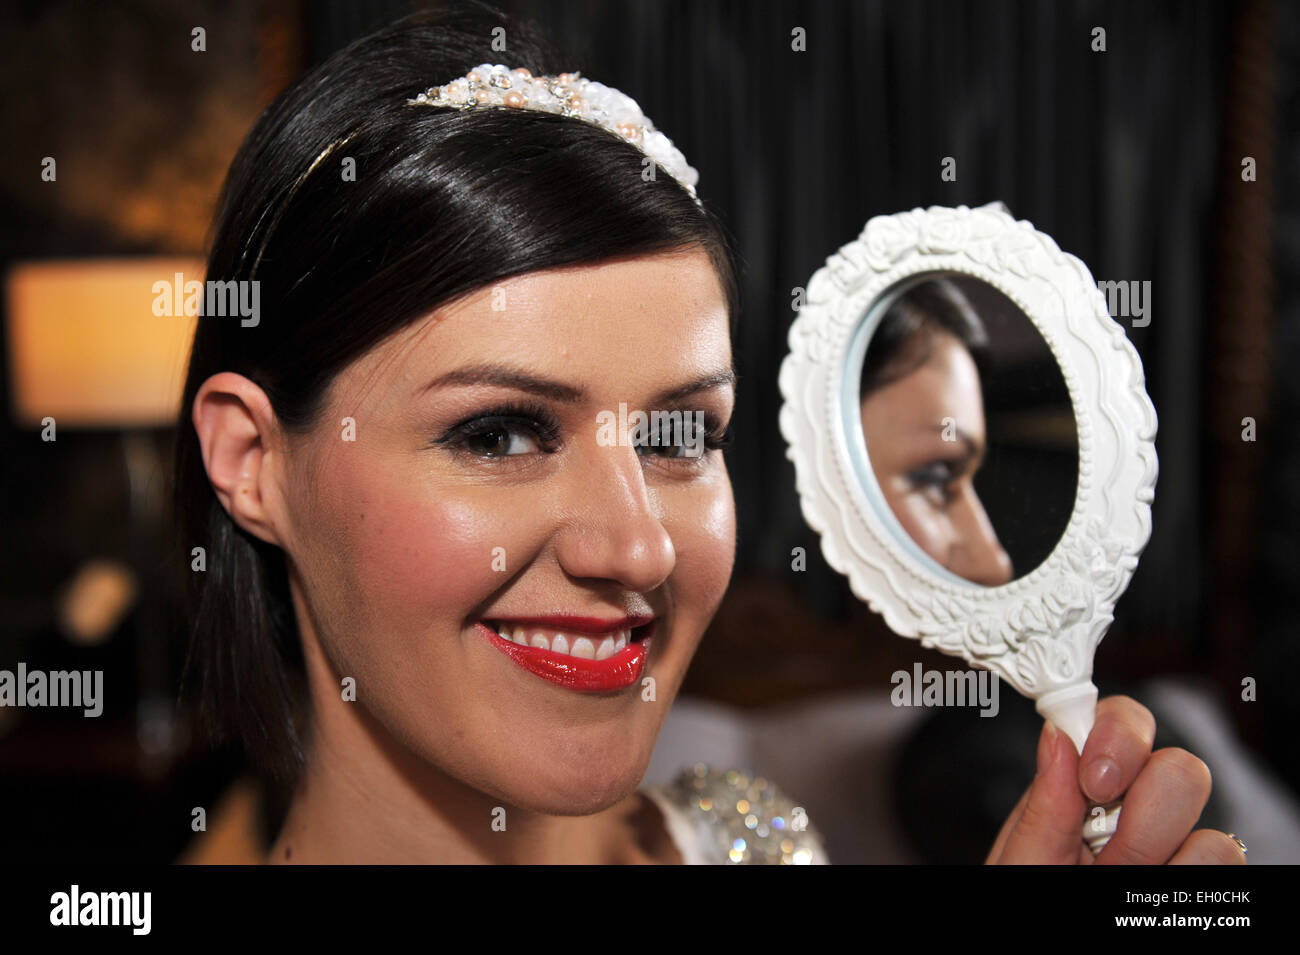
[734, 817]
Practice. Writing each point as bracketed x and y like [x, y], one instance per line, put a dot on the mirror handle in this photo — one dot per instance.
[1073, 710]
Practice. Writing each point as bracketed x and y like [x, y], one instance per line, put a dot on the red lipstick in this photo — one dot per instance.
[618, 672]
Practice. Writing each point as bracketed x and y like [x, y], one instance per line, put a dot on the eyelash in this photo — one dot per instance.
[544, 427]
[535, 417]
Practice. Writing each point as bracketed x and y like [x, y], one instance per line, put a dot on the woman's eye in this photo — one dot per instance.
[685, 442]
[499, 441]
[504, 433]
[690, 441]
[937, 482]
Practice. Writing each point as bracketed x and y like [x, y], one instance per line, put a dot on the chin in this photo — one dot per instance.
[578, 780]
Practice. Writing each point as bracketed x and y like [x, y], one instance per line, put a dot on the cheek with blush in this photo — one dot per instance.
[424, 557]
[388, 558]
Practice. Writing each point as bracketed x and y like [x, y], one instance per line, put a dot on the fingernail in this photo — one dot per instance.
[1101, 780]
[1047, 746]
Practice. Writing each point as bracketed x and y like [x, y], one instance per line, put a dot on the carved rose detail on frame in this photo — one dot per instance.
[1028, 621]
[959, 624]
[1020, 254]
[885, 240]
[981, 238]
[1066, 601]
[1043, 665]
[944, 232]
[1102, 560]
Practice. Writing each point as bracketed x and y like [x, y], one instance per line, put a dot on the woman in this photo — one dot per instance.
[419, 538]
[923, 419]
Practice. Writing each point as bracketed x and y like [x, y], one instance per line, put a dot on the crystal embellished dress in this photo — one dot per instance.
[730, 817]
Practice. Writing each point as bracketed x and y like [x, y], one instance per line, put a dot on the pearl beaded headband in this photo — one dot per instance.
[569, 94]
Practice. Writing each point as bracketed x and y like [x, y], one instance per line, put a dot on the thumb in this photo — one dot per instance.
[1048, 829]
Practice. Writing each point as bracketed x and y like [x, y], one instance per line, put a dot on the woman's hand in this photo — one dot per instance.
[1164, 793]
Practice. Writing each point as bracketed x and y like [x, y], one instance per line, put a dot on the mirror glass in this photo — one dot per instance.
[967, 426]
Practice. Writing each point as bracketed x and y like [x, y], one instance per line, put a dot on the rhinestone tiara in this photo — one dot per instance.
[569, 94]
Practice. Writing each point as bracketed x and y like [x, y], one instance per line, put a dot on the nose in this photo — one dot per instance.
[977, 554]
[615, 529]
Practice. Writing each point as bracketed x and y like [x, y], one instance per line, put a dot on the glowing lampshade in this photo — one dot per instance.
[86, 347]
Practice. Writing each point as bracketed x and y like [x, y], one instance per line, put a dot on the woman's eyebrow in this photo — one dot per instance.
[974, 450]
[703, 383]
[506, 377]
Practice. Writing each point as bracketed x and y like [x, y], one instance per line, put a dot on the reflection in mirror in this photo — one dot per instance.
[968, 427]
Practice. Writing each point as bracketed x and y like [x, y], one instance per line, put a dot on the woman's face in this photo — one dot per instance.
[926, 465]
[479, 485]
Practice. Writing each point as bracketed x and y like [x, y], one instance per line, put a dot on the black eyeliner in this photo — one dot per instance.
[532, 415]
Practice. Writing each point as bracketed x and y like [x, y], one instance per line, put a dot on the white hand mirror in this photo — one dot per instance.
[974, 443]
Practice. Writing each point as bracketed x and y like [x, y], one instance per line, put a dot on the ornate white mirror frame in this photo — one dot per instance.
[1038, 632]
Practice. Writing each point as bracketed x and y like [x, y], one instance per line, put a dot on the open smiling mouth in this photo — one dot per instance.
[587, 657]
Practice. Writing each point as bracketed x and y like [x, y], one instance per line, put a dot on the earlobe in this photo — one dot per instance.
[237, 429]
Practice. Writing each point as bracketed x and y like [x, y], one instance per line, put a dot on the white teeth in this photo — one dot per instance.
[582, 647]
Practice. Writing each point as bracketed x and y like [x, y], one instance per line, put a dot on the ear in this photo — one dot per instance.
[239, 439]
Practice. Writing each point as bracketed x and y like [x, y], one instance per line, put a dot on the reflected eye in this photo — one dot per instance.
[937, 481]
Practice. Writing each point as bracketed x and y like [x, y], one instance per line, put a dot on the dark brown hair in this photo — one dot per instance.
[904, 339]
